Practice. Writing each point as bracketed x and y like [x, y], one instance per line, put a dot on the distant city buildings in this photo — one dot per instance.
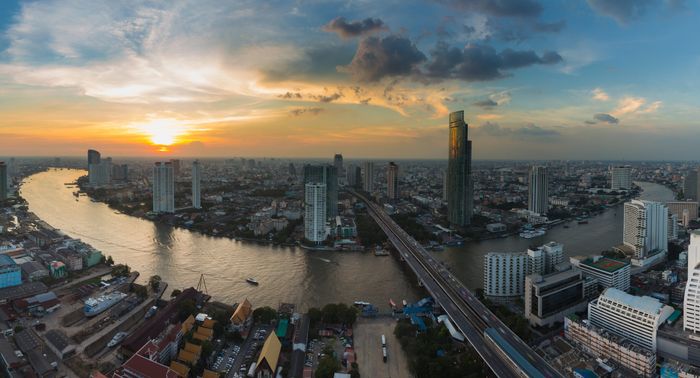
[645, 229]
[690, 185]
[196, 185]
[176, 167]
[538, 190]
[328, 175]
[392, 181]
[460, 187]
[163, 188]
[4, 181]
[315, 212]
[99, 170]
[686, 211]
[634, 318]
[120, 172]
[621, 177]
[368, 176]
[353, 176]
[691, 302]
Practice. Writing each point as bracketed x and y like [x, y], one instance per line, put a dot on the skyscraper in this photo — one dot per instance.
[196, 182]
[460, 196]
[353, 175]
[621, 177]
[326, 174]
[4, 181]
[392, 181]
[315, 211]
[645, 228]
[368, 176]
[163, 188]
[93, 158]
[538, 190]
[690, 185]
[691, 302]
[176, 167]
[338, 164]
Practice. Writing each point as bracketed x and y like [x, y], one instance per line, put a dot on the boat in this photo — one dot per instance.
[117, 339]
[251, 281]
[95, 306]
[529, 234]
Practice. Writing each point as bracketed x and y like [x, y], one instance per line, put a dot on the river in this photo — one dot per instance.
[286, 274]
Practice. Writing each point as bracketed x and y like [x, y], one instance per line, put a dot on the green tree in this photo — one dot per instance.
[315, 316]
[154, 282]
[264, 315]
[109, 261]
[186, 308]
[121, 270]
[327, 367]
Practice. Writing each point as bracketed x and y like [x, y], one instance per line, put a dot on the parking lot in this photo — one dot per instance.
[368, 347]
[247, 351]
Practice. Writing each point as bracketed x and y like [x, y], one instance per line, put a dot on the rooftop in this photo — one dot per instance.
[605, 263]
[645, 304]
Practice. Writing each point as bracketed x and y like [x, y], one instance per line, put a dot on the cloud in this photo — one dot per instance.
[622, 11]
[606, 118]
[552, 27]
[500, 8]
[345, 29]
[529, 131]
[327, 98]
[300, 111]
[486, 104]
[481, 62]
[390, 56]
[631, 105]
[600, 95]
[495, 99]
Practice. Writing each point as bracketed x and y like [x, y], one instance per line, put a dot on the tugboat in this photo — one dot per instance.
[94, 306]
[117, 339]
[251, 281]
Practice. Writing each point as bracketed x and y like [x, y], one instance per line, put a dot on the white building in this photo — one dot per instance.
[608, 272]
[538, 190]
[645, 228]
[504, 275]
[368, 176]
[544, 259]
[691, 300]
[196, 185]
[635, 318]
[163, 188]
[315, 212]
[621, 177]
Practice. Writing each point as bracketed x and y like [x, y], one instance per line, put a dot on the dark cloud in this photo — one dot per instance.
[327, 98]
[315, 62]
[486, 104]
[299, 111]
[481, 62]
[377, 58]
[553, 27]
[622, 11]
[290, 95]
[528, 131]
[365, 101]
[345, 29]
[500, 8]
[606, 118]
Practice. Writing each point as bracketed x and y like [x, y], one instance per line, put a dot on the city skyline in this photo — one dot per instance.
[536, 80]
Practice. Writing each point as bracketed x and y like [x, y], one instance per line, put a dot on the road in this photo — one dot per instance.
[467, 313]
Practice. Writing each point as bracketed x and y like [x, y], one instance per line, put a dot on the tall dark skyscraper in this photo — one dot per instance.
[392, 181]
[324, 174]
[690, 185]
[93, 157]
[538, 190]
[4, 181]
[460, 188]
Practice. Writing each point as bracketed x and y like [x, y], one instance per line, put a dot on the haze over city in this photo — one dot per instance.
[537, 79]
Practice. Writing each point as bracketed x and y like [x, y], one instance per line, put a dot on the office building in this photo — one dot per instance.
[328, 175]
[94, 159]
[609, 272]
[196, 185]
[551, 297]
[690, 185]
[684, 210]
[538, 190]
[545, 258]
[504, 276]
[338, 164]
[621, 177]
[605, 345]
[645, 228]
[691, 298]
[163, 188]
[460, 187]
[176, 167]
[392, 181]
[353, 176]
[368, 176]
[99, 170]
[315, 212]
[4, 181]
[635, 318]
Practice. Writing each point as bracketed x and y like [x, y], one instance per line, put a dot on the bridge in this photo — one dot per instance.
[501, 349]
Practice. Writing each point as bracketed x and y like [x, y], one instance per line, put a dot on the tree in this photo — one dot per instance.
[154, 282]
[175, 293]
[315, 316]
[186, 308]
[109, 261]
[264, 314]
[121, 270]
[327, 367]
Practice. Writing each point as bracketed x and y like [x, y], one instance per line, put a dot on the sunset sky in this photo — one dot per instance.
[560, 79]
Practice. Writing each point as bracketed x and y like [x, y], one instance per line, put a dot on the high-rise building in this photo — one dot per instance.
[551, 297]
[368, 176]
[176, 167]
[353, 176]
[645, 228]
[338, 164]
[315, 211]
[392, 181]
[99, 170]
[163, 188]
[609, 272]
[690, 185]
[684, 210]
[635, 318]
[328, 175]
[460, 188]
[504, 275]
[545, 258]
[4, 181]
[672, 227]
[93, 158]
[538, 190]
[621, 177]
[196, 185]
[691, 300]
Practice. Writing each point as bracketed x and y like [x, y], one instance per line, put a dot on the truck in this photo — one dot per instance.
[384, 348]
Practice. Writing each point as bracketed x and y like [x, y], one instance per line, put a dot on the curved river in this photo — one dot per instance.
[286, 274]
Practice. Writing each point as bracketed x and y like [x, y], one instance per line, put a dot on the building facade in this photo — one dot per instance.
[10, 272]
[392, 181]
[684, 210]
[621, 177]
[328, 175]
[196, 185]
[163, 188]
[549, 298]
[504, 275]
[538, 190]
[690, 185]
[353, 176]
[460, 187]
[315, 212]
[545, 258]
[691, 299]
[609, 272]
[645, 228]
[4, 181]
[368, 176]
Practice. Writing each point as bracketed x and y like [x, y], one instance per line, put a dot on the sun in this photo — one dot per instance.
[163, 132]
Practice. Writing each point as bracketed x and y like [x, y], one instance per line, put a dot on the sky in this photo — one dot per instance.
[555, 79]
